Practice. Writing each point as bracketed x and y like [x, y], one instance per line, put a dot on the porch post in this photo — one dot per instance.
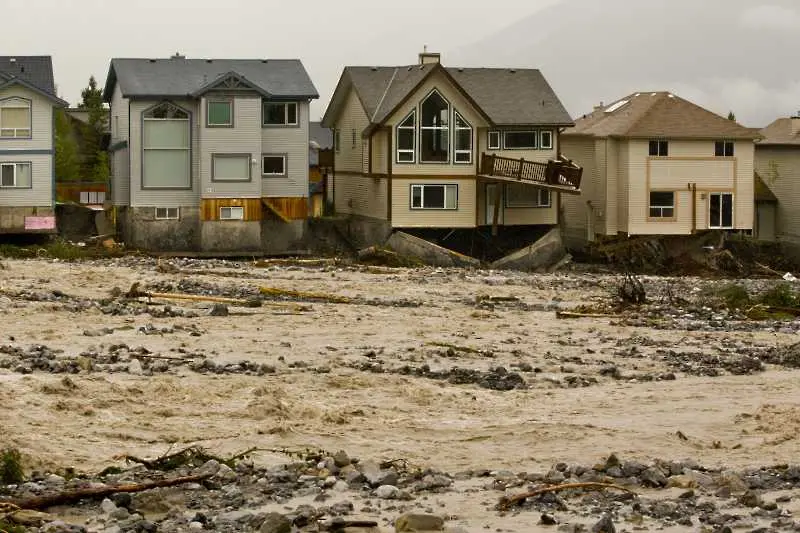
[496, 215]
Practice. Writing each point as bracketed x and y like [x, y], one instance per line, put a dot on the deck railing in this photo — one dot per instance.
[560, 172]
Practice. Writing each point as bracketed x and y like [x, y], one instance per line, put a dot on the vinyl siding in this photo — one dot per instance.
[40, 194]
[362, 196]
[529, 155]
[162, 197]
[41, 121]
[120, 181]
[607, 212]
[459, 103]
[517, 216]
[294, 143]
[405, 217]
[623, 185]
[243, 138]
[779, 167]
[380, 155]
[576, 209]
[348, 157]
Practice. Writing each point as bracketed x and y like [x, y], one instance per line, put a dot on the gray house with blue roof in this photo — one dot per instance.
[209, 154]
[27, 177]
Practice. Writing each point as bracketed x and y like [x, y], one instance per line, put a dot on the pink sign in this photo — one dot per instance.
[34, 223]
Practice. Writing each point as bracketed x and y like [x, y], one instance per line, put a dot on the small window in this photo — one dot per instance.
[662, 204]
[355, 137]
[273, 165]
[337, 140]
[167, 213]
[463, 139]
[659, 148]
[280, 113]
[494, 140]
[723, 149]
[406, 145]
[15, 118]
[520, 195]
[546, 140]
[231, 213]
[520, 140]
[219, 113]
[434, 196]
[15, 175]
[230, 167]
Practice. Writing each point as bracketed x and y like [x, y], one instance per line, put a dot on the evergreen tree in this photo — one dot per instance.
[68, 166]
[95, 160]
[731, 116]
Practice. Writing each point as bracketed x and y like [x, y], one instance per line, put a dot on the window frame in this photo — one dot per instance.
[724, 145]
[231, 209]
[284, 157]
[285, 123]
[167, 215]
[662, 217]
[489, 144]
[456, 129]
[228, 101]
[25, 103]
[422, 186]
[535, 140]
[337, 140]
[448, 128]
[550, 144]
[413, 150]
[246, 157]
[510, 204]
[659, 144]
[721, 194]
[188, 149]
[354, 135]
[16, 164]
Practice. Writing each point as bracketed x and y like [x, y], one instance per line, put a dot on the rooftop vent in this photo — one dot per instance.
[208, 60]
[429, 57]
[178, 55]
[152, 60]
[513, 71]
[12, 60]
[616, 106]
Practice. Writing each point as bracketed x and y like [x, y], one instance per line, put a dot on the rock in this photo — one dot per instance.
[108, 506]
[653, 477]
[433, 481]
[412, 522]
[548, 520]
[275, 523]
[55, 480]
[219, 310]
[341, 459]
[702, 480]
[122, 499]
[605, 525]
[632, 468]
[209, 467]
[731, 481]
[682, 482]
[28, 518]
[388, 492]
[751, 499]
[135, 367]
[377, 477]
[225, 474]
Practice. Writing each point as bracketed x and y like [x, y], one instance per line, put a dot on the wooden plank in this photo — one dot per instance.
[560, 188]
[288, 208]
[210, 207]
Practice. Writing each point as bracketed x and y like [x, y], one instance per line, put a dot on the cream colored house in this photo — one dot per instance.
[777, 163]
[408, 143]
[656, 164]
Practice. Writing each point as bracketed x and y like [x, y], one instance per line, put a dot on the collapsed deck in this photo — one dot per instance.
[560, 174]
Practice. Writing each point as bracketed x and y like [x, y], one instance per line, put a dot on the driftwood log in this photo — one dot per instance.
[508, 501]
[572, 314]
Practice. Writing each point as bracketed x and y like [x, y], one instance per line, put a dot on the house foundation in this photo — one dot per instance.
[541, 255]
[19, 220]
[139, 228]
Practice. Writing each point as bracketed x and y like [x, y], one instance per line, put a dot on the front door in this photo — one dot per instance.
[491, 192]
[720, 210]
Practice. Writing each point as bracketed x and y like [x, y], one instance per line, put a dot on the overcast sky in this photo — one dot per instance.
[723, 54]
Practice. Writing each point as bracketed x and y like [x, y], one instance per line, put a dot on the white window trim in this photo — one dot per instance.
[535, 139]
[661, 208]
[413, 150]
[724, 144]
[285, 122]
[512, 203]
[549, 145]
[210, 101]
[15, 165]
[422, 128]
[17, 103]
[495, 146]
[733, 210]
[456, 128]
[168, 213]
[422, 186]
[658, 148]
[281, 156]
[231, 210]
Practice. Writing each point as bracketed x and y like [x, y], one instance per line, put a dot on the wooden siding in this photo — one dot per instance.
[209, 207]
[243, 138]
[140, 197]
[779, 167]
[457, 101]
[361, 195]
[290, 208]
[348, 158]
[120, 179]
[380, 149]
[292, 141]
[575, 208]
[40, 194]
[462, 217]
[41, 121]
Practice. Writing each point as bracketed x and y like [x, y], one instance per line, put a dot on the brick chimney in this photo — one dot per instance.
[426, 58]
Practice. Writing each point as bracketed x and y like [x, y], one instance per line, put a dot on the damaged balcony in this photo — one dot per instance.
[560, 174]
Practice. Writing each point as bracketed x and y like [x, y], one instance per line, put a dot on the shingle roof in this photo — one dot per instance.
[762, 192]
[178, 76]
[504, 96]
[658, 114]
[780, 132]
[36, 70]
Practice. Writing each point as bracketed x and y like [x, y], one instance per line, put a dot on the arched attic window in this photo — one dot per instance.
[15, 118]
[434, 129]
[166, 148]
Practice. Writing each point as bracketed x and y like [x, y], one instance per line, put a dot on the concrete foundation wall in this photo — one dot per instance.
[139, 228]
[230, 236]
[12, 219]
[282, 237]
[427, 252]
[542, 254]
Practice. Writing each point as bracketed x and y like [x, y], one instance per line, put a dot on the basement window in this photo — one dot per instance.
[434, 196]
[167, 213]
[662, 204]
[231, 213]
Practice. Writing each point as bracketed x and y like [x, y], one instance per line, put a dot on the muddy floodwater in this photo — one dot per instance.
[468, 373]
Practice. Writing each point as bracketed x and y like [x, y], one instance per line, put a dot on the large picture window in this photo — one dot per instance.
[463, 139]
[520, 140]
[434, 196]
[166, 152]
[434, 129]
[662, 204]
[406, 139]
[15, 118]
[280, 113]
[230, 167]
[15, 175]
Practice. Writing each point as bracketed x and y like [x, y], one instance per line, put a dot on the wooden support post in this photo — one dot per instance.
[496, 215]
[521, 164]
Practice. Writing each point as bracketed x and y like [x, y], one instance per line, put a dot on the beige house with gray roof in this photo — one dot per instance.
[777, 163]
[656, 164]
[408, 143]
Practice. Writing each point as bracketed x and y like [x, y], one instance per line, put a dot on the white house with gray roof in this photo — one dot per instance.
[27, 176]
[409, 142]
[209, 154]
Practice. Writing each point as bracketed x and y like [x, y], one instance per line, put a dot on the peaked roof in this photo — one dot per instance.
[780, 133]
[321, 135]
[180, 77]
[503, 96]
[33, 72]
[658, 114]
